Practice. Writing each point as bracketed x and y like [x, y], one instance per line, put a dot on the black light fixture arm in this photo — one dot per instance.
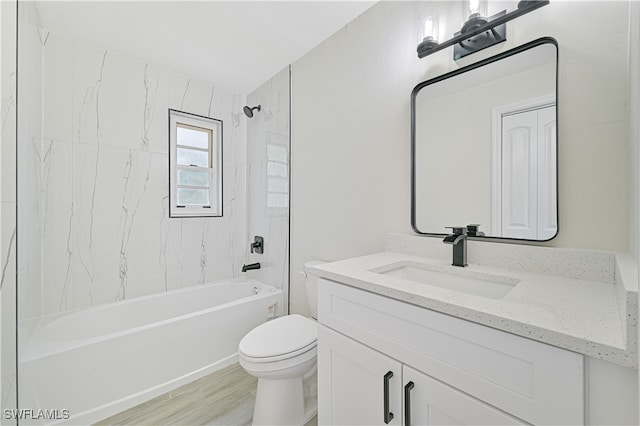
[532, 5]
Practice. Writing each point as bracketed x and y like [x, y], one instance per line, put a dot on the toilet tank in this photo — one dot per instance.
[311, 285]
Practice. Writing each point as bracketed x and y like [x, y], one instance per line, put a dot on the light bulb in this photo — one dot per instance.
[474, 14]
[474, 8]
[429, 27]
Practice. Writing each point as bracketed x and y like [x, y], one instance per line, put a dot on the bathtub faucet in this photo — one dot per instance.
[250, 266]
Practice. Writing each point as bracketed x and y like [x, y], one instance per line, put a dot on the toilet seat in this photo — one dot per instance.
[280, 357]
[283, 338]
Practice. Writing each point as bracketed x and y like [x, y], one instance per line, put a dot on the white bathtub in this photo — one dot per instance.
[100, 361]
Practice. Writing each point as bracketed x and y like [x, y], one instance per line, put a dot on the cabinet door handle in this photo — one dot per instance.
[407, 403]
[388, 415]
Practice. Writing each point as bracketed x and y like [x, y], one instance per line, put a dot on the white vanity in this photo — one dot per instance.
[406, 338]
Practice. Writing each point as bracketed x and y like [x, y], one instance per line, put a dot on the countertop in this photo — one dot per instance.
[595, 317]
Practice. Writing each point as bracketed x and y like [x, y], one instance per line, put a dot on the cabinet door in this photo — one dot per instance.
[351, 383]
[428, 401]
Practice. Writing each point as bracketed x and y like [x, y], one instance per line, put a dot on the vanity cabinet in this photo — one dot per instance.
[354, 383]
[462, 372]
[428, 401]
[363, 386]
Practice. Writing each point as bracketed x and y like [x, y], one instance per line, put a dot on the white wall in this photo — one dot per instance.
[267, 217]
[101, 197]
[350, 129]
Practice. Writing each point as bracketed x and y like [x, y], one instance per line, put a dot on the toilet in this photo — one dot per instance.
[280, 354]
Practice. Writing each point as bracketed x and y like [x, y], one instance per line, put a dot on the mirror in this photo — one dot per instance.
[483, 144]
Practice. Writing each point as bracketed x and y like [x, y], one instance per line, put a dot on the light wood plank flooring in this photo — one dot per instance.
[225, 397]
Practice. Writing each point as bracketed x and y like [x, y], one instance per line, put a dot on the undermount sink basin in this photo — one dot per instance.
[465, 281]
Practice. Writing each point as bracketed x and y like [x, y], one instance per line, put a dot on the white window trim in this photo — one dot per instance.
[215, 152]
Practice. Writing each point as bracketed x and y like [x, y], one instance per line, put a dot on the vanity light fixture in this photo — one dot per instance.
[478, 31]
[474, 16]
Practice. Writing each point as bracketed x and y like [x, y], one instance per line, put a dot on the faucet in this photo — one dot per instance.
[473, 230]
[257, 245]
[459, 241]
[250, 266]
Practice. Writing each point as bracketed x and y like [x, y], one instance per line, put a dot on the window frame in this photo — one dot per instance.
[279, 141]
[215, 127]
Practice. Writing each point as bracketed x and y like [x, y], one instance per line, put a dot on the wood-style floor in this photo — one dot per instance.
[225, 397]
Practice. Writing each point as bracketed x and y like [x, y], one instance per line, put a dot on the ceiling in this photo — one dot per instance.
[237, 45]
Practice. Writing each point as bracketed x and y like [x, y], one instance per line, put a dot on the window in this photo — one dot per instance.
[277, 174]
[195, 160]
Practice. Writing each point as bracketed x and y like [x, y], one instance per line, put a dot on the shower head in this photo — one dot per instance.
[249, 111]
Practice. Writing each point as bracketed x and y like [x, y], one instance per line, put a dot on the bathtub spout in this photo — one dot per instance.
[250, 266]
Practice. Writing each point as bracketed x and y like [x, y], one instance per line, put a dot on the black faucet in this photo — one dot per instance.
[257, 245]
[473, 230]
[459, 241]
[250, 266]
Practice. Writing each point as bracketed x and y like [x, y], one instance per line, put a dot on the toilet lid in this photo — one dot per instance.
[280, 336]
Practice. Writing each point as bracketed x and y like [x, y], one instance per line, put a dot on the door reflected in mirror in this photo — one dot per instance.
[484, 146]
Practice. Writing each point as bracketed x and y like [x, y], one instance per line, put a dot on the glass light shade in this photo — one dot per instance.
[474, 8]
[429, 25]
[474, 14]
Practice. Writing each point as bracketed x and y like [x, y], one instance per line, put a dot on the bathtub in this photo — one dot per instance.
[99, 361]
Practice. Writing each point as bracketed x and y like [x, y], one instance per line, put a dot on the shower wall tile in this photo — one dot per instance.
[88, 66]
[155, 111]
[121, 123]
[8, 299]
[8, 127]
[8, 101]
[29, 152]
[56, 182]
[189, 255]
[106, 234]
[57, 267]
[102, 179]
[57, 87]
[191, 96]
[142, 226]
[29, 224]
[268, 127]
[8, 131]
[56, 226]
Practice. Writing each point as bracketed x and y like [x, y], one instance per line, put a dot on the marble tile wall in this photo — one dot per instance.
[100, 181]
[268, 179]
[8, 84]
[29, 171]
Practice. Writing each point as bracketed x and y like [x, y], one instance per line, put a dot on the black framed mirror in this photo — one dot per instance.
[484, 146]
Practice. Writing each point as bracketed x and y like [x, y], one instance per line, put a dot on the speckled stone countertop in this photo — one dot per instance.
[583, 301]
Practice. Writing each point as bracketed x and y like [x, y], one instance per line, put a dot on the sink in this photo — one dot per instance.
[462, 280]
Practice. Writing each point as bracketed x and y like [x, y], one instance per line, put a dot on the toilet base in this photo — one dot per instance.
[279, 402]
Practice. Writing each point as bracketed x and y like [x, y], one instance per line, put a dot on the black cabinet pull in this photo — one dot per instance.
[388, 415]
[407, 403]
